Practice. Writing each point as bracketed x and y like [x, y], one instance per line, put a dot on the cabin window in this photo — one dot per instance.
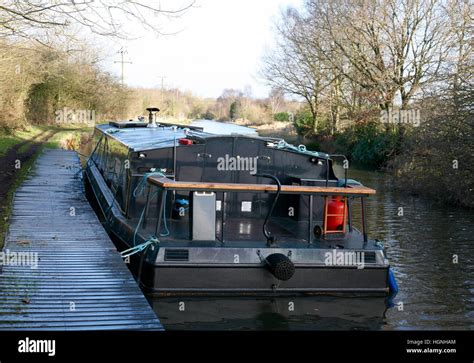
[98, 144]
[110, 157]
[100, 154]
[116, 170]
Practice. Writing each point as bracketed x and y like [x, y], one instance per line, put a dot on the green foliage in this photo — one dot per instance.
[313, 145]
[208, 115]
[368, 143]
[75, 85]
[437, 159]
[10, 138]
[281, 116]
[6, 142]
[233, 110]
[303, 121]
[38, 81]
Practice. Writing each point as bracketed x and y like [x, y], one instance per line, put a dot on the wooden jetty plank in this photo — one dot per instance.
[80, 281]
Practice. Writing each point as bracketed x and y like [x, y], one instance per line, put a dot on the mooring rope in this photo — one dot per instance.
[282, 144]
[142, 184]
[140, 247]
[139, 190]
[140, 220]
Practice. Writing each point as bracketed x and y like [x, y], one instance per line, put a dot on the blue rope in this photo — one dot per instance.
[142, 184]
[112, 131]
[139, 189]
[140, 247]
[151, 240]
[282, 144]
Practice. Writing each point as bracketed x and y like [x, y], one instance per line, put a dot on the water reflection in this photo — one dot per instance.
[275, 313]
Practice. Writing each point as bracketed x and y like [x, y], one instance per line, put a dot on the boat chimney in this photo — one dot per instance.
[152, 116]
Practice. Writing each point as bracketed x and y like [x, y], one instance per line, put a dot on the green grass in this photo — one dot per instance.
[10, 139]
[6, 142]
[55, 141]
[14, 137]
[23, 148]
[62, 134]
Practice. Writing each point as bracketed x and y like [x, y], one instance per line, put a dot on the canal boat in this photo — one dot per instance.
[195, 212]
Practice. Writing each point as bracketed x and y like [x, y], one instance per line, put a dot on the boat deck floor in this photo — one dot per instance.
[71, 276]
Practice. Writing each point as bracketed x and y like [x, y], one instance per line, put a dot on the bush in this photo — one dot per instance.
[208, 115]
[436, 161]
[369, 143]
[281, 116]
[234, 110]
[303, 121]
[37, 82]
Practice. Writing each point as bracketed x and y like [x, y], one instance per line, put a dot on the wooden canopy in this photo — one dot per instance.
[167, 183]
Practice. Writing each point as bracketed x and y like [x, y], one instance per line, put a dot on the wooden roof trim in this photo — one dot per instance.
[271, 188]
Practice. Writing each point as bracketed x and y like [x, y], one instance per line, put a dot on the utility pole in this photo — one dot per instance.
[122, 61]
[162, 87]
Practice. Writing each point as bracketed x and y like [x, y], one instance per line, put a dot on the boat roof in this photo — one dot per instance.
[138, 137]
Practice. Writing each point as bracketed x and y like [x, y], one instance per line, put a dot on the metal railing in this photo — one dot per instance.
[166, 184]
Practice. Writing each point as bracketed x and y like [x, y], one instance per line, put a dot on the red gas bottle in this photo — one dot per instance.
[335, 214]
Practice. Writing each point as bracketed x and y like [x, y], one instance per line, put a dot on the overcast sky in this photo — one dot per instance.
[220, 45]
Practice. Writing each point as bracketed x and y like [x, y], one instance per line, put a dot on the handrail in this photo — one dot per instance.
[167, 183]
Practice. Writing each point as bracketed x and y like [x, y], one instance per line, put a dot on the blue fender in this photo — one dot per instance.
[392, 283]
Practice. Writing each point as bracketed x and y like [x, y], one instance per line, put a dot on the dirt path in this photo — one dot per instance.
[8, 172]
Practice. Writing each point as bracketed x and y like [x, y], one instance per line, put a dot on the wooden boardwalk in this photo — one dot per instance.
[80, 281]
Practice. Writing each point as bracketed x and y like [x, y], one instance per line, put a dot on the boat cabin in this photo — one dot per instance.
[184, 185]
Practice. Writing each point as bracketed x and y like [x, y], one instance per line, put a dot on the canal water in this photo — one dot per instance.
[430, 247]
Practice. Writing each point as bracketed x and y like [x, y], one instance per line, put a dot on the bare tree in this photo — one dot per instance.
[391, 46]
[295, 68]
[459, 63]
[275, 100]
[60, 26]
[25, 18]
